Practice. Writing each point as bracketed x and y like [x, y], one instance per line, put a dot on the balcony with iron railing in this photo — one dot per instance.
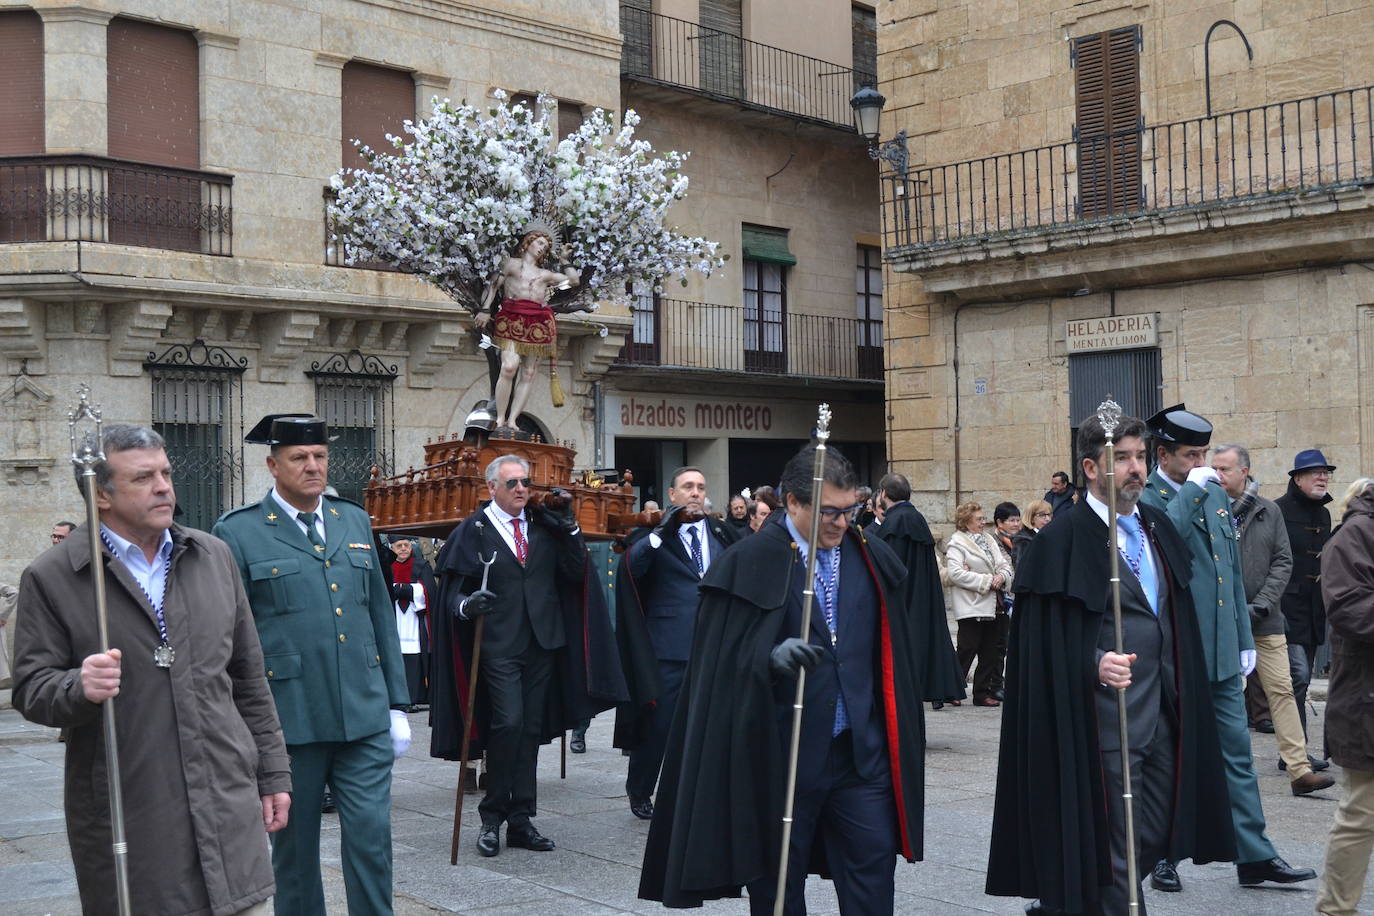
[96, 199]
[1320, 143]
[678, 54]
[675, 334]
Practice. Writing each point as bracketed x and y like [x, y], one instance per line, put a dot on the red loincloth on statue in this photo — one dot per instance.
[527, 324]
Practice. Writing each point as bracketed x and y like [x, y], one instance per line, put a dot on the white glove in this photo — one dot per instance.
[400, 733]
[1201, 475]
[1248, 659]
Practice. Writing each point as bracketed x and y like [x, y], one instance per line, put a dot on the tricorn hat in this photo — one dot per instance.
[289, 429]
[1310, 459]
[1178, 424]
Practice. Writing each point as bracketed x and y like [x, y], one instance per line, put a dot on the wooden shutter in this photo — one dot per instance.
[21, 83]
[721, 51]
[154, 94]
[376, 101]
[1107, 89]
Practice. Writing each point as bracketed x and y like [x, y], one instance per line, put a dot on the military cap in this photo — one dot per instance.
[1178, 424]
[289, 429]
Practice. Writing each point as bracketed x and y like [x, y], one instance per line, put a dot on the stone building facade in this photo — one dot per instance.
[1077, 222]
[179, 261]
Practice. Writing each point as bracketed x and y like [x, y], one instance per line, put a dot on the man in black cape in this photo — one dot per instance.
[717, 826]
[586, 677]
[905, 530]
[1057, 830]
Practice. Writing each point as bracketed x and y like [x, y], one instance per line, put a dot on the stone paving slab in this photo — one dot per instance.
[595, 869]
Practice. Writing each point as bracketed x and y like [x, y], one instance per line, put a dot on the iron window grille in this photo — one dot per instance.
[197, 407]
[354, 396]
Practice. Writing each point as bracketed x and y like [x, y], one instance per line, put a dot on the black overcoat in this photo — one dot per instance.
[1049, 829]
[587, 675]
[718, 816]
[1309, 528]
[905, 530]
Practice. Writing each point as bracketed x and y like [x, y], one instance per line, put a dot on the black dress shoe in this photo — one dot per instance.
[642, 808]
[1316, 764]
[1165, 877]
[1276, 870]
[528, 838]
[937, 704]
[1264, 726]
[327, 804]
[489, 840]
[578, 744]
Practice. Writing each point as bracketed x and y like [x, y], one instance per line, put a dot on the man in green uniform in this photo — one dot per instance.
[1191, 494]
[333, 662]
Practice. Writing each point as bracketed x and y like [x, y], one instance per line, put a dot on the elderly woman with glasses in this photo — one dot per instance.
[978, 573]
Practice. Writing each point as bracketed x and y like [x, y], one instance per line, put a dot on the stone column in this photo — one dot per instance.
[427, 86]
[74, 79]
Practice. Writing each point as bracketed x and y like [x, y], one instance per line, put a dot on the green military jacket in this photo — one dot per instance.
[1202, 516]
[325, 619]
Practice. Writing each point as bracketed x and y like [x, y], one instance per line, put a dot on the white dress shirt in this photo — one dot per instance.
[150, 576]
[502, 520]
[291, 512]
[656, 542]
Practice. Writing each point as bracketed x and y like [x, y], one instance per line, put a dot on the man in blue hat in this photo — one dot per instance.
[1191, 494]
[333, 661]
[1309, 526]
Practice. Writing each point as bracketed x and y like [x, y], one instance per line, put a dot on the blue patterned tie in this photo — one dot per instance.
[696, 550]
[1136, 559]
[826, 593]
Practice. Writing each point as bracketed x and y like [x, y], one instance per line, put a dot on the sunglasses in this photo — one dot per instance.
[832, 514]
[58, 537]
[518, 482]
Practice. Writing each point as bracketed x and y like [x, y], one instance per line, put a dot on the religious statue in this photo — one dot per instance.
[524, 328]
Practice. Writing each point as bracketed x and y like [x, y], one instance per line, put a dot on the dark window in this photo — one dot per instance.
[376, 101]
[153, 81]
[1132, 378]
[865, 28]
[569, 118]
[722, 58]
[642, 346]
[21, 83]
[1107, 90]
[868, 306]
[765, 316]
[636, 31]
[353, 395]
[198, 409]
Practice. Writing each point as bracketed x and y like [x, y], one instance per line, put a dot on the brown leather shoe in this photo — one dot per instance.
[1312, 782]
[987, 701]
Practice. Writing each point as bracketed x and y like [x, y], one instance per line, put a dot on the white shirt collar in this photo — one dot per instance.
[501, 515]
[1170, 481]
[1101, 508]
[291, 510]
[126, 550]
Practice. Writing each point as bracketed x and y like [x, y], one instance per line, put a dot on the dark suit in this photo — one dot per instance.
[844, 785]
[666, 580]
[518, 643]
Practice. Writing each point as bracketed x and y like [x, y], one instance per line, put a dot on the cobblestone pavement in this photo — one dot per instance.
[595, 869]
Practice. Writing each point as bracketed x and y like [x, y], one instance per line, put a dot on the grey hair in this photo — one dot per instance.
[495, 466]
[1242, 453]
[116, 437]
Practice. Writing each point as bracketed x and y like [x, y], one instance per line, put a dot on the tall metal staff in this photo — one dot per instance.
[1109, 415]
[808, 599]
[477, 630]
[85, 457]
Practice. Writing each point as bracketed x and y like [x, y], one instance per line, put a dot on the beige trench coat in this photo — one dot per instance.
[199, 743]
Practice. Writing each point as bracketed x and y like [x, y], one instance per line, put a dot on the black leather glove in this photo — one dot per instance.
[403, 593]
[478, 604]
[562, 518]
[793, 654]
[672, 518]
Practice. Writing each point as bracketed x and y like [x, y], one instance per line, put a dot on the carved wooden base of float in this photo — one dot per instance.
[429, 501]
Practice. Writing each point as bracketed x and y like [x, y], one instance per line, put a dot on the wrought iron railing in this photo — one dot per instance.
[679, 334]
[96, 199]
[1318, 142]
[674, 52]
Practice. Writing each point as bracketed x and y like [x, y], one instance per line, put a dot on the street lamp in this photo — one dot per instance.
[868, 111]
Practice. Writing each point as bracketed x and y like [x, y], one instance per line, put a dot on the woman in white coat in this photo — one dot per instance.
[979, 574]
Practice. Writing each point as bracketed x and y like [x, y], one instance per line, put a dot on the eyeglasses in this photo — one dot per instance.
[518, 482]
[1044, 515]
[832, 514]
[57, 537]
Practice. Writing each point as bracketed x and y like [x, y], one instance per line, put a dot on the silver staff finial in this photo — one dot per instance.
[1109, 415]
[88, 452]
[823, 423]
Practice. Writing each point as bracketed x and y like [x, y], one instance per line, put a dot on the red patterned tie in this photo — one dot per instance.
[522, 547]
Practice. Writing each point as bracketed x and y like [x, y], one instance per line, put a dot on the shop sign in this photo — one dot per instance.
[1116, 332]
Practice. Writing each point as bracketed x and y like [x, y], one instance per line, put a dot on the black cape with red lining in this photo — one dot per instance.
[906, 531]
[718, 816]
[1049, 827]
[587, 675]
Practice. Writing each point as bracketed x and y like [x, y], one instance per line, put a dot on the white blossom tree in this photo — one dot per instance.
[462, 187]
